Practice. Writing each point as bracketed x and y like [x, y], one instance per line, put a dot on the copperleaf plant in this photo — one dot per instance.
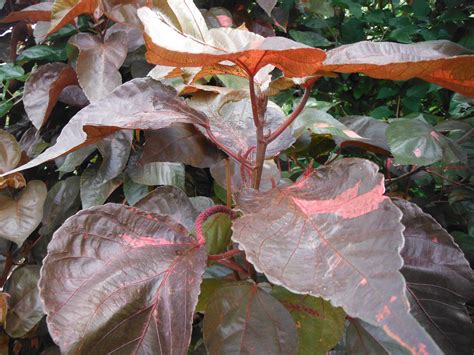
[303, 265]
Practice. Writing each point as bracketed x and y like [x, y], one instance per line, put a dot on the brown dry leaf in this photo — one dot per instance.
[14, 181]
[99, 62]
[440, 62]
[192, 44]
[42, 90]
[33, 13]
[65, 11]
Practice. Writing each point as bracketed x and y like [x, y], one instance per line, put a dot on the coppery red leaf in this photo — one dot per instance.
[33, 13]
[333, 234]
[133, 275]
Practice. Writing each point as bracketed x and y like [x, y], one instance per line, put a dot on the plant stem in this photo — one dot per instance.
[226, 255]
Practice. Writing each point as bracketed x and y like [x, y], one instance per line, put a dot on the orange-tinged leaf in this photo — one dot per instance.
[65, 11]
[197, 46]
[137, 104]
[33, 13]
[14, 181]
[99, 62]
[42, 90]
[441, 62]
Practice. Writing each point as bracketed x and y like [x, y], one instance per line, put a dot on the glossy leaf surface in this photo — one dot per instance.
[134, 275]
[241, 318]
[139, 103]
[334, 235]
[319, 325]
[21, 214]
[440, 62]
[191, 44]
[25, 307]
[42, 90]
[439, 280]
[414, 141]
[99, 62]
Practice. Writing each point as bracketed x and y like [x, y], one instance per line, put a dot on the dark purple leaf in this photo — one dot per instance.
[134, 276]
[180, 143]
[334, 235]
[243, 319]
[439, 280]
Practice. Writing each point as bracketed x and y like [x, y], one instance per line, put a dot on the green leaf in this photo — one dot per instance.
[386, 92]
[352, 31]
[413, 141]
[133, 192]
[381, 112]
[42, 52]
[9, 71]
[312, 39]
[320, 7]
[5, 107]
[319, 324]
[421, 8]
[354, 7]
[217, 232]
[404, 34]
[208, 287]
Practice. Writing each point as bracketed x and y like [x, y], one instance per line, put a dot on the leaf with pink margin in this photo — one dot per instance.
[334, 235]
[134, 275]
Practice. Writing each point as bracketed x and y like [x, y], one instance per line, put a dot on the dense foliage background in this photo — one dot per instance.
[439, 179]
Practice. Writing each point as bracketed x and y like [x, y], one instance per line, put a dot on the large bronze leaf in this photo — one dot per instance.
[99, 62]
[139, 103]
[42, 90]
[134, 276]
[334, 235]
[439, 280]
[21, 214]
[188, 42]
[440, 62]
[243, 319]
[33, 13]
[10, 152]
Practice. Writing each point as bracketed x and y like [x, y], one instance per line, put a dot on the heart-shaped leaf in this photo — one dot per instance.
[334, 235]
[33, 13]
[134, 275]
[242, 319]
[320, 325]
[21, 214]
[439, 280]
[191, 44]
[414, 141]
[440, 62]
[180, 143]
[99, 62]
[10, 152]
[139, 103]
[42, 90]
[25, 307]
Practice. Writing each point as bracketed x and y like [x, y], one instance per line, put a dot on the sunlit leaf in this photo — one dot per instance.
[21, 214]
[333, 234]
[133, 275]
[242, 319]
[440, 62]
[33, 13]
[99, 62]
[24, 303]
[194, 45]
[139, 103]
[42, 90]
[319, 325]
[65, 11]
[439, 280]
